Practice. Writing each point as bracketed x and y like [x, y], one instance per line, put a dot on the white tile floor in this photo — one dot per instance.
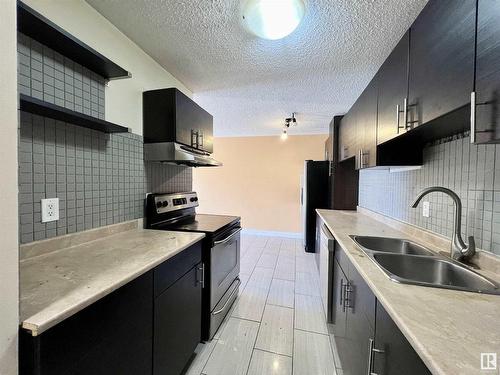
[276, 325]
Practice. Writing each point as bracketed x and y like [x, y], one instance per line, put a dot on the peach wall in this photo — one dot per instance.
[260, 180]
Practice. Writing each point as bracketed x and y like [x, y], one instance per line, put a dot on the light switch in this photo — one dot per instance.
[50, 210]
[426, 206]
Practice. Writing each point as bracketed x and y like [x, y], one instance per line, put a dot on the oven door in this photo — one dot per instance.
[224, 264]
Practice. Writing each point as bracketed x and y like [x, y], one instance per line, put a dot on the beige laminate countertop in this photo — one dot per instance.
[58, 284]
[449, 329]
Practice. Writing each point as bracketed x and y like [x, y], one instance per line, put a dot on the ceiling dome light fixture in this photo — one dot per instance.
[272, 19]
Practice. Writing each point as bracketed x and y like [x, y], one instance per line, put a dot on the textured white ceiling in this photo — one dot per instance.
[250, 85]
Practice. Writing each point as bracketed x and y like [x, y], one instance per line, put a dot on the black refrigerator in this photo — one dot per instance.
[314, 194]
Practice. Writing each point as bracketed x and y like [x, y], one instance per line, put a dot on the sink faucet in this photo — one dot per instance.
[459, 249]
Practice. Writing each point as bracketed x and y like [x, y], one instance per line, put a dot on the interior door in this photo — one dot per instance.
[487, 91]
[441, 59]
[393, 92]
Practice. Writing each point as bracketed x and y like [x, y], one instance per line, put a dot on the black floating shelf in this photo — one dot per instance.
[36, 26]
[39, 107]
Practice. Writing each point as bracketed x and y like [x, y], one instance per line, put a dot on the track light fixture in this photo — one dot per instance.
[290, 120]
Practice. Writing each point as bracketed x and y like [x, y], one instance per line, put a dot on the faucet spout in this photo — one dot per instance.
[459, 249]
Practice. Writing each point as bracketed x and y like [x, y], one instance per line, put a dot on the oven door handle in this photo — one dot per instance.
[228, 237]
[228, 299]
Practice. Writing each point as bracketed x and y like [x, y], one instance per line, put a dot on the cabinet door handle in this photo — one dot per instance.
[371, 351]
[347, 298]
[202, 281]
[342, 286]
[473, 117]
[405, 113]
[194, 139]
[398, 113]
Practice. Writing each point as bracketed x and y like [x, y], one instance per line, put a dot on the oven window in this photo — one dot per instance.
[224, 261]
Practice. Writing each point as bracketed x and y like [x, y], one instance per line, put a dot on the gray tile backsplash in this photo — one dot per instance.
[472, 171]
[99, 178]
[47, 75]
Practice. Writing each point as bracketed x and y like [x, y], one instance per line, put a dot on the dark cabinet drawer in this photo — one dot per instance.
[170, 271]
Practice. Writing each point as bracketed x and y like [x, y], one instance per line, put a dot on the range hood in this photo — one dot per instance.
[176, 130]
[175, 153]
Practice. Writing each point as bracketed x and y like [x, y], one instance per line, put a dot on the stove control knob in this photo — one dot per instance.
[158, 204]
[165, 204]
[192, 200]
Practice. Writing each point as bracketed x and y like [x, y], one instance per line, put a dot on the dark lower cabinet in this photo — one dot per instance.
[339, 311]
[177, 324]
[392, 354]
[112, 336]
[149, 326]
[487, 91]
[367, 340]
[360, 305]
[353, 315]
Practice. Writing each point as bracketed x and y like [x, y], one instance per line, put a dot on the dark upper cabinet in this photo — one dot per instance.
[392, 354]
[358, 129]
[441, 71]
[366, 126]
[348, 137]
[487, 90]
[393, 92]
[171, 116]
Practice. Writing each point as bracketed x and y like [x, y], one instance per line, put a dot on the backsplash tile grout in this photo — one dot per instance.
[472, 171]
[100, 179]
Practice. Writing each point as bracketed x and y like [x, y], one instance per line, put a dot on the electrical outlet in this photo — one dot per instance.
[50, 210]
[426, 207]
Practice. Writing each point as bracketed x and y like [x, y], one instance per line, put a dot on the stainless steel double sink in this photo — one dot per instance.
[407, 262]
